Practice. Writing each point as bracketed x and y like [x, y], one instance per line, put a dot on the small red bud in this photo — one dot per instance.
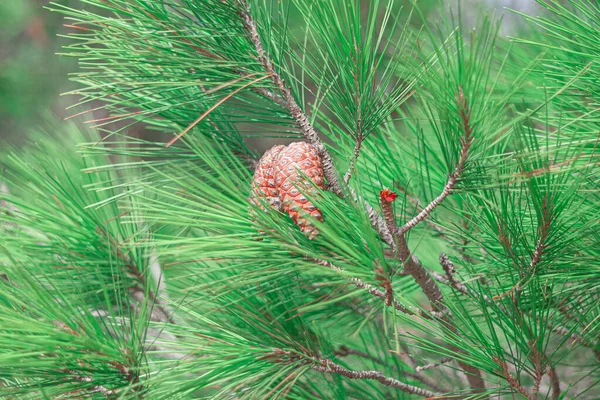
[387, 195]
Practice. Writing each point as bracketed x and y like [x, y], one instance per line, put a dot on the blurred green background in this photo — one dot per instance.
[32, 76]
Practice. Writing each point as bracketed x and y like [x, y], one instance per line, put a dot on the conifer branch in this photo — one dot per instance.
[275, 98]
[429, 288]
[514, 383]
[159, 313]
[292, 106]
[329, 367]
[352, 165]
[308, 131]
[543, 232]
[451, 281]
[433, 365]
[555, 383]
[539, 370]
[448, 267]
[260, 90]
[418, 208]
[466, 141]
[123, 370]
[376, 292]
[344, 351]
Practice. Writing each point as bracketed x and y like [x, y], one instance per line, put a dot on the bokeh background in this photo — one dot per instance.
[33, 78]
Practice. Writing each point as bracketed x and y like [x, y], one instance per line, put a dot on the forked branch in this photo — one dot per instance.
[514, 382]
[466, 141]
[377, 292]
[428, 286]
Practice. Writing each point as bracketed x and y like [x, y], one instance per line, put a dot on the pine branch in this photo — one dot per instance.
[539, 371]
[451, 281]
[160, 312]
[329, 367]
[348, 173]
[376, 292]
[275, 98]
[514, 383]
[128, 374]
[555, 381]
[294, 109]
[344, 351]
[308, 130]
[214, 107]
[417, 203]
[433, 365]
[429, 288]
[466, 141]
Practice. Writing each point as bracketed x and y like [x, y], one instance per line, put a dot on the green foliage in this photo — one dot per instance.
[150, 261]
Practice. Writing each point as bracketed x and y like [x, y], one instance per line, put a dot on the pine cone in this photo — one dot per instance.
[294, 164]
[263, 183]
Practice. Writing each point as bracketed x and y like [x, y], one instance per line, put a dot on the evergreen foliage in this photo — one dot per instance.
[138, 268]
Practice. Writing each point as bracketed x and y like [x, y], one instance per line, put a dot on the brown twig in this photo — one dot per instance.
[329, 367]
[214, 107]
[160, 313]
[465, 114]
[344, 351]
[555, 382]
[448, 267]
[433, 365]
[128, 374]
[514, 383]
[375, 292]
[538, 374]
[429, 288]
[351, 167]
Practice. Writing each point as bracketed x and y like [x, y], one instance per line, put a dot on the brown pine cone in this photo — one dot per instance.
[293, 165]
[263, 182]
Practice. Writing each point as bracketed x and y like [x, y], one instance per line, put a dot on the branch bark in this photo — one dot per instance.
[555, 383]
[329, 367]
[431, 290]
[344, 351]
[514, 382]
[374, 291]
[352, 165]
[466, 141]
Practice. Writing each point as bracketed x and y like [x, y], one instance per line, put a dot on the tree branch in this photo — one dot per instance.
[123, 370]
[555, 383]
[329, 367]
[344, 351]
[375, 292]
[449, 279]
[292, 106]
[429, 288]
[302, 121]
[271, 96]
[433, 365]
[465, 114]
[348, 173]
[514, 383]
[160, 312]
[310, 134]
